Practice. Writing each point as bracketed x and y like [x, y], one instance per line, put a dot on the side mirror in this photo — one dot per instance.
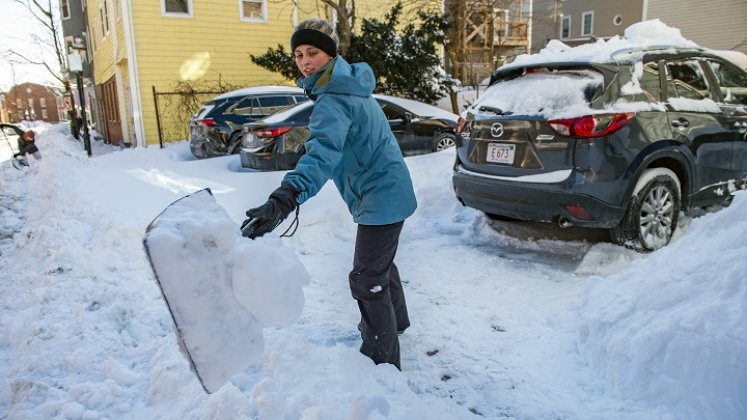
[408, 117]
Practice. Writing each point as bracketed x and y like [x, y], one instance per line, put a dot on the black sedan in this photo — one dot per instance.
[276, 142]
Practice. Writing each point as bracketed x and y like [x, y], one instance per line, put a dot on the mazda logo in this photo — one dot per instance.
[496, 130]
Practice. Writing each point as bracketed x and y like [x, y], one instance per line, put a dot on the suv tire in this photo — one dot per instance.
[653, 210]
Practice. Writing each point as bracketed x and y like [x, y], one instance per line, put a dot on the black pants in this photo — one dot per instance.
[375, 284]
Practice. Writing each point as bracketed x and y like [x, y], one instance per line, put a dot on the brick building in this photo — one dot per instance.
[30, 102]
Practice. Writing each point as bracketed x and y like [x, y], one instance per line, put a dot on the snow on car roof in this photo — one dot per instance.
[648, 34]
[419, 108]
[258, 90]
[283, 114]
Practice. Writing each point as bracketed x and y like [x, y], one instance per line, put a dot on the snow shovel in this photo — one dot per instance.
[216, 334]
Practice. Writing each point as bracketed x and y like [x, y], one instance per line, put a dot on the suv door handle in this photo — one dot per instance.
[681, 123]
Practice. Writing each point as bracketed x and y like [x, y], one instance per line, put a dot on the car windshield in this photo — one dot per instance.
[542, 92]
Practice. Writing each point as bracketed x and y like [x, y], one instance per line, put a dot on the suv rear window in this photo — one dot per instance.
[550, 93]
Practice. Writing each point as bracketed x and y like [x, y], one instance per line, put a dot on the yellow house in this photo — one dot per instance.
[144, 47]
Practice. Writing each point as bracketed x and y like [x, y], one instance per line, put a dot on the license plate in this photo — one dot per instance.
[501, 153]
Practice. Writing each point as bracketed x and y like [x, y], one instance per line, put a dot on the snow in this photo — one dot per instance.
[508, 320]
[646, 34]
[419, 108]
[218, 297]
[560, 94]
[551, 95]
[255, 90]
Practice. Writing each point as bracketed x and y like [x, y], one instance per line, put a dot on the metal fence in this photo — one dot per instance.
[173, 111]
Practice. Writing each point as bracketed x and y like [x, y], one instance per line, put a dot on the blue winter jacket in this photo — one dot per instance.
[350, 141]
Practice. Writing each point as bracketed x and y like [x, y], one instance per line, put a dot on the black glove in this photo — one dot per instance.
[268, 216]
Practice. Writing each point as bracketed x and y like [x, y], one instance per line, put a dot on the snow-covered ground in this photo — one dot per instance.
[505, 322]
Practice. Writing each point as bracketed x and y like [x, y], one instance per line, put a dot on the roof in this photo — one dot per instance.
[419, 108]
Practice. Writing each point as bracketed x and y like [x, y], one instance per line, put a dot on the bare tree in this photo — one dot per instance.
[43, 13]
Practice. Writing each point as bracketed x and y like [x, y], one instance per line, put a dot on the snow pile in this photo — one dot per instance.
[650, 33]
[503, 325]
[672, 328]
[220, 287]
[561, 95]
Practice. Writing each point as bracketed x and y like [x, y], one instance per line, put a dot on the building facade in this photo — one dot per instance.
[75, 37]
[142, 48]
[715, 24]
[31, 102]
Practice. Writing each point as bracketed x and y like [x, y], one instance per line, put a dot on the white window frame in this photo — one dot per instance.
[65, 9]
[563, 19]
[583, 23]
[44, 113]
[249, 19]
[177, 15]
[43, 102]
[104, 15]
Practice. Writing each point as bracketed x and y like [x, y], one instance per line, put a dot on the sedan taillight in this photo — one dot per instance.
[590, 126]
[271, 133]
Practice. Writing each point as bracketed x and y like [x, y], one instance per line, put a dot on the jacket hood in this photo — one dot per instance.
[338, 76]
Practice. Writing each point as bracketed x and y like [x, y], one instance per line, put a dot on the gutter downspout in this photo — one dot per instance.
[644, 12]
[137, 102]
[529, 28]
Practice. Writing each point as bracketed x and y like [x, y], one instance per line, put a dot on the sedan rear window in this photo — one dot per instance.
[542, 92]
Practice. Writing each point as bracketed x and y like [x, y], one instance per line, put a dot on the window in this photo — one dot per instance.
[253, 10]
[617, 20]
[272, 104]
[587, 23]
[650, 82]
[176, 8]
[104, 15]
[732, 82]
[246, 106]
[65, 9]
[44, 114]
[565, 27]
[685, 79]
[392, 112]
[19, 103]
[31, 102]
[43, 102]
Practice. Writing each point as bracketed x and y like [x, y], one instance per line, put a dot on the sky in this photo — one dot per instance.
[16, 29]
[508, 321]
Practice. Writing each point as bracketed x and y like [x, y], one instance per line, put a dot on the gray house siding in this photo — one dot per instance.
[716, 24]
[605, 24]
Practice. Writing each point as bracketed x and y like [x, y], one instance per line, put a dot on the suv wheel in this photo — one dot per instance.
[651, 217]
[443, 141]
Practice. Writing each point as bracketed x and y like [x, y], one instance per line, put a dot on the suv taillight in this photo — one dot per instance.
[590, 126]
[271, 133]
[206, 122]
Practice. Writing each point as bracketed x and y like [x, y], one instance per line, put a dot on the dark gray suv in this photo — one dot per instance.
[215, 129]
[623, 143]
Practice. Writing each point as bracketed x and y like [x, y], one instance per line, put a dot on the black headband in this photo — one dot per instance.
[316, 38]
